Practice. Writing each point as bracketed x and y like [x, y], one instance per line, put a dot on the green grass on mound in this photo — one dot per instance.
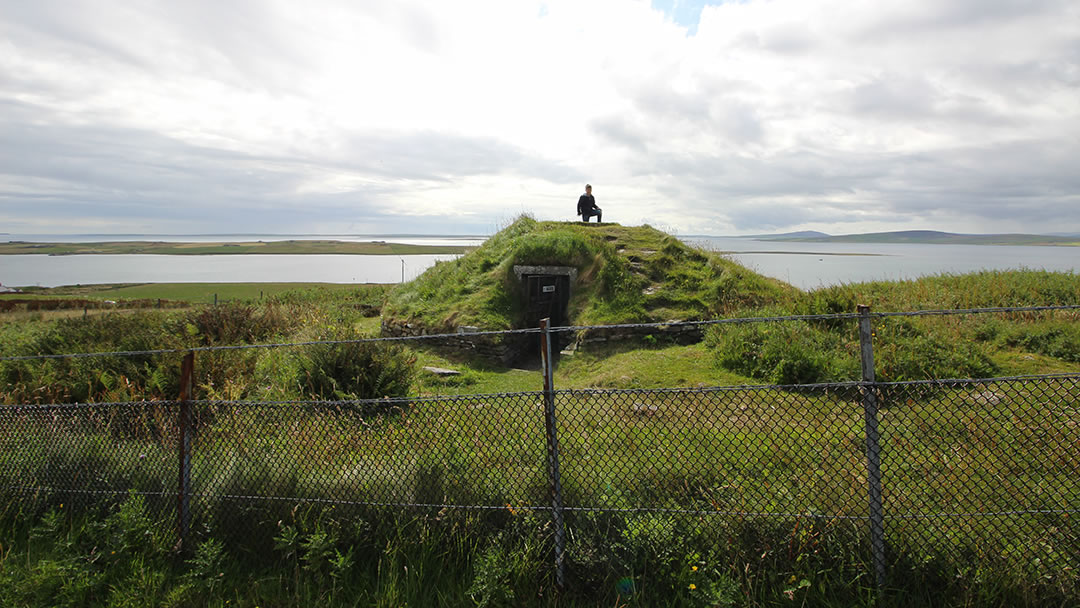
[625, 274]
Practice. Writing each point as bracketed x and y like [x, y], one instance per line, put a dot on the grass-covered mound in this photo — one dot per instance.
[625, 274]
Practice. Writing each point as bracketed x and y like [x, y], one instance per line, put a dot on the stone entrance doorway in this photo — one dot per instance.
[547, 295]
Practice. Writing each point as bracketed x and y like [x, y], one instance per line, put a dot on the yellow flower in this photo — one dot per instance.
[694, 568]
[693, 586]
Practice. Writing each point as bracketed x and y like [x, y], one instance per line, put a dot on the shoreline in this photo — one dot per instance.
[290, 247]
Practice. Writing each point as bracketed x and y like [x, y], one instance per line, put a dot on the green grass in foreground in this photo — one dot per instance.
[946, 451]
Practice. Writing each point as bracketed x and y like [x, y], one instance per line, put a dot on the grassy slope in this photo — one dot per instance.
[635, 365]
[266, 248]
[625, 274]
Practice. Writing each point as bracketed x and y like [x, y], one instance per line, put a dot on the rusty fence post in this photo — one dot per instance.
[873, 445]
[553, 453]
[183, 494]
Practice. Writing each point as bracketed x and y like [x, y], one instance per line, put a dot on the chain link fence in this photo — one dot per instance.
[978, 473]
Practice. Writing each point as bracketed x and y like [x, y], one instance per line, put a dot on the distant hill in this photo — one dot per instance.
[933, 237]
[790, 236]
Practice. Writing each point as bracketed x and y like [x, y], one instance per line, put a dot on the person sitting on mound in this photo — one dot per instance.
[586, 206]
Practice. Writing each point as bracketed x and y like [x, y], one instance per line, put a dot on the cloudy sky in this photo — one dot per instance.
[452, 117]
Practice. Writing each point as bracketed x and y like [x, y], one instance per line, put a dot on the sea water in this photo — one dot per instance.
[805, 265]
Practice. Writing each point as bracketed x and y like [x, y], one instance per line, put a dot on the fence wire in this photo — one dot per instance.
[562, 329]
[979, 470]
[987, 465]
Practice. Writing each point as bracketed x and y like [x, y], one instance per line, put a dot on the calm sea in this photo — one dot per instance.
[811, 265]
[805, 265]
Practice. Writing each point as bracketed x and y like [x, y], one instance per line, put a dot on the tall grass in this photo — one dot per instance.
[753, 458]
[264, 535]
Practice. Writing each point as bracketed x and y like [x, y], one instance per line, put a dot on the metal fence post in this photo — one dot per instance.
[183, 495]
[873, 447]
[553, 453]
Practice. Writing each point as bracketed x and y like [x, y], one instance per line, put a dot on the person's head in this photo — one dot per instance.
[588, 189]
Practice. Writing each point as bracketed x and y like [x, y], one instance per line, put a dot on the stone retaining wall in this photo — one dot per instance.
[681, 334]
[509, 349]
[505, 349]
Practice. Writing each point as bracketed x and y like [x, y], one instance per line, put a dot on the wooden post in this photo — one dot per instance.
[183, 495]
[873, 446]
[553, 454]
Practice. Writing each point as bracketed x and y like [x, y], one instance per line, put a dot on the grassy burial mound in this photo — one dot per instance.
[623, 275]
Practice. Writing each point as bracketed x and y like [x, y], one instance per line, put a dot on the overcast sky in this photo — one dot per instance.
[453, 117]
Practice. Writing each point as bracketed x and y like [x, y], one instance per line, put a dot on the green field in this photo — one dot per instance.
[195, 293]
[291, 247]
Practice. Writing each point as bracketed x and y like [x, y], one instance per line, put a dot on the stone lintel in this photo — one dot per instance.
[570, 271]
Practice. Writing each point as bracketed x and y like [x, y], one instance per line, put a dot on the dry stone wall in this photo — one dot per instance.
[505, 349]
[681, 334]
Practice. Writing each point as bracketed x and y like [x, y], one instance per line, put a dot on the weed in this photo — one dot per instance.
[354, 370]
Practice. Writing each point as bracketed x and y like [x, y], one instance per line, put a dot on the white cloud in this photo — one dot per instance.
[776, 114]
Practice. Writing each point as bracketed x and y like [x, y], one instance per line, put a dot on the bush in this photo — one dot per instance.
[1058, 339]
[354, 370]
[113, 378]
[236, 323]
[780, 353]
[903, 352]
[805, 353]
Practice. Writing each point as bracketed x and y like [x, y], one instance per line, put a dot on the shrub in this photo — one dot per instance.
[837, 300]
[1058, 339]
[236, 323]
[354, 370]
[902, 351]
[802, 353]
[780, 353]
[113, 378]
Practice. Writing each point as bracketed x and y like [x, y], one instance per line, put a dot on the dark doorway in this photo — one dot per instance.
[547, 296]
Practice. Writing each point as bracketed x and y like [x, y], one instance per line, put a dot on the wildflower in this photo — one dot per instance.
[692, 586]
[694, 568]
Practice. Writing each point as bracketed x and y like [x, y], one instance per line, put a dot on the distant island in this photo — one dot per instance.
[291, 247]
[926, 237]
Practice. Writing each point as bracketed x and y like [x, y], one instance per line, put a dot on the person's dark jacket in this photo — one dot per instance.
[586, 204]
